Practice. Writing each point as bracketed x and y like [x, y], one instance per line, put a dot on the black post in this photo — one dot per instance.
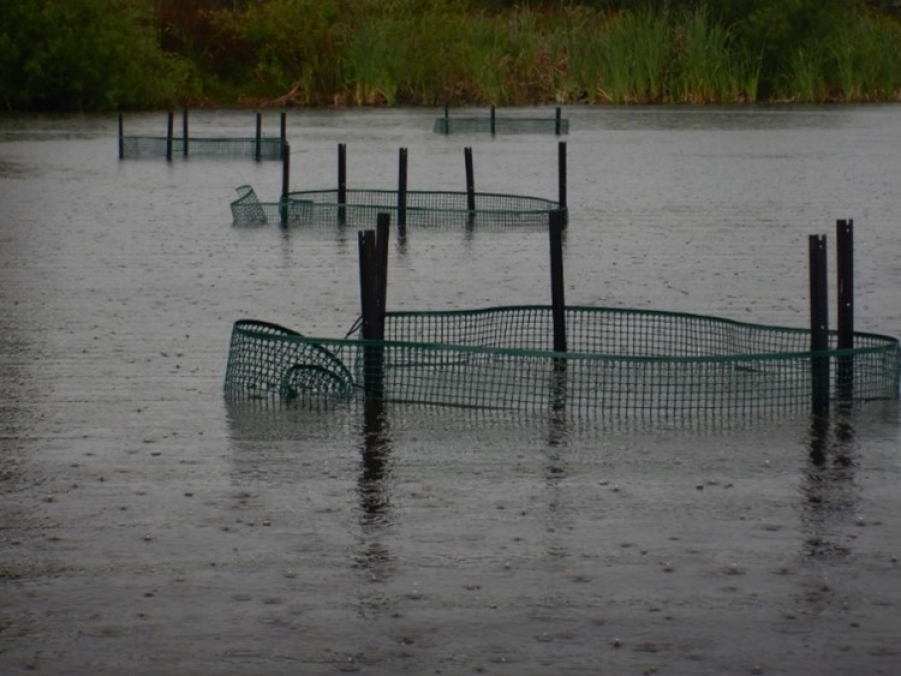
[342, 183]
[557, 222]
[169, 137]
[558, 121]
[470, 182]
[286, 185]
[184, 130]
[561, 178]
[845, 266]
[493, 121]
[446, 120]
[402, 192]
[819, 324]
[366, 241]
[259, 138]
[121, 137]
[373, 247]
[383, 222]
[284, 127]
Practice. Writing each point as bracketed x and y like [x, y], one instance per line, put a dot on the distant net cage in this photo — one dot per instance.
[619, 363]
[422, 208]
[140, 147]
[495, 124]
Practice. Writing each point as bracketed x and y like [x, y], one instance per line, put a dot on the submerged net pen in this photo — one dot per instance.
[421, 208]
[620, 363]
[139, 147]
[494, 124]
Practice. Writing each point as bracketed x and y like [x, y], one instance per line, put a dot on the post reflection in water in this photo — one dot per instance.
[375, 501]
[831, 495]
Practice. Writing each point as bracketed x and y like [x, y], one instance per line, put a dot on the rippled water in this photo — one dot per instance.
[147, 527]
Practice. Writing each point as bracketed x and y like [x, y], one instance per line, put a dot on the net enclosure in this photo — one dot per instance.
[495, 124]
[359, 208]
[142, 147]
[619, 363]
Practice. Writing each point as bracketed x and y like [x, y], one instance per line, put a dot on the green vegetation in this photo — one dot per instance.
[98, 54]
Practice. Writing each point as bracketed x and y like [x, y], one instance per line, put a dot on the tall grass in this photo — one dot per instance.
[387, 52]
[703, 65]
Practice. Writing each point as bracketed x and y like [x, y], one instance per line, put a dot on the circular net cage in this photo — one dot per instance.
[359, 208]
[266, 360]
[618, 363]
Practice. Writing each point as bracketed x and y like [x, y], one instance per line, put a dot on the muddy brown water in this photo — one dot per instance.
[149, 527]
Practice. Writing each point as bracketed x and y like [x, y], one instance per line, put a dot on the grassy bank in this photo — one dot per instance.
[450, 51]
[436, 52]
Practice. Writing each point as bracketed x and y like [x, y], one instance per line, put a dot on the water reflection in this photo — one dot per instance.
[831, 494]
[375, 453]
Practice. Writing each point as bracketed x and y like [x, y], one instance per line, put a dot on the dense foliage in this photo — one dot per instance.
[97, 54]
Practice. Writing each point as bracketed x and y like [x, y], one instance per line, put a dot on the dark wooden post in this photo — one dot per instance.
[383, 222]
[558, 121]
[402, 191]
[373, 248]
[169, 132]
[819, 324]
[184, 130]
[470, 182]
[493, 121]
[342, 183]
[845, 267]
[286, 185]
[557, 222]
[121, 137]
[561, 179]
[258, 149]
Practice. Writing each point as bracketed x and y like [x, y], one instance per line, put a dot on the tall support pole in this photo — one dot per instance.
[446, 120]
[819, 324]
[470, 179]
[286, 185]
[258, 149]
[845, 267]
[169, 132]
[493, 124]
[184, 130]
[558, 121]
[121, 137]
[373, 250]
[342, 183]
[561, 179]
[283, 127]
[382, 228]
[557, 223]
[556, 226]
[402, 191]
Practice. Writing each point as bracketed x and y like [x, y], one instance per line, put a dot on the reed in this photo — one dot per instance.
[435, 52]
[867, 56]
[704, 69]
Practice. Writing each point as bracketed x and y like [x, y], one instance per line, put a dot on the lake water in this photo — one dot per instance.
[148, 527]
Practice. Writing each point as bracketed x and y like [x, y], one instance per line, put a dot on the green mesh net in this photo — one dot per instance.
[360, 208]
[266, 359]
[264, 148]
[500, 125]
[619, 363]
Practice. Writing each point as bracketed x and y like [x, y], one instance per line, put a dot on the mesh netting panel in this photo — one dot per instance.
[135, 147]
[266, 359]
[620, 362]
[423, 208]
[502, 125]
